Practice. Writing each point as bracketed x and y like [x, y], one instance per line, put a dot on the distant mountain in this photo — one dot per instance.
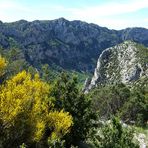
[71, 45]
[124, 63]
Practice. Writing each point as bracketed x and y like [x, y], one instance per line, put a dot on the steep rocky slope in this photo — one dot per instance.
[72, 45]
[126, 63]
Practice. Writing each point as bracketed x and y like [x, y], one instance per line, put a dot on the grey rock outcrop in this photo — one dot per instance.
[121, 63]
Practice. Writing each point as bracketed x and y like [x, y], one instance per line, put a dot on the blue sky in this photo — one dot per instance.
[114, 14]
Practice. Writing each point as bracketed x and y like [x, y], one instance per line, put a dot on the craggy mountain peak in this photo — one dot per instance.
[71, 45]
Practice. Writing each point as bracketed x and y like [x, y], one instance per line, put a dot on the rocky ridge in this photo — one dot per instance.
[71, 45]
[123, 63]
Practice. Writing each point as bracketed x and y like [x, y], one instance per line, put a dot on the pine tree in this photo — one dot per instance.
[72, 100]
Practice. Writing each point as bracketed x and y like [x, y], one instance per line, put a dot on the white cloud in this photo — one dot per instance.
[112, 9]
[120, 23]
[12, 5]
[12, 11]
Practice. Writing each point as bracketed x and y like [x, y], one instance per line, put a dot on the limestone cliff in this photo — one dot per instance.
[126, 63]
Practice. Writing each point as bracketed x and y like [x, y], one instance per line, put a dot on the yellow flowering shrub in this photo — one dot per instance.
[40, 128]
[23, 94]
[61, 122]
[25, 105]
[3, 65]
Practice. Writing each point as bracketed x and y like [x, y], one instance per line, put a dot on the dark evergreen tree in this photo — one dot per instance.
[72, 100]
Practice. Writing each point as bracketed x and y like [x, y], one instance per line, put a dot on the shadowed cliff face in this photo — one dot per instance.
[123, 63]
[72, 45]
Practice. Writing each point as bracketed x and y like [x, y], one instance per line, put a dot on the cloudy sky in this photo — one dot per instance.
[114, 14]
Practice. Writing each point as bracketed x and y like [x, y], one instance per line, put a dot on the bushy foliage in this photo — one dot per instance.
[128, 103]
[136, 108]
[109, 99]
[3, 65]
[114, 135]
[15, 61]
[27, 114]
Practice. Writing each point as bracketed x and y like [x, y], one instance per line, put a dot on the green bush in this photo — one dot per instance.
[114, 135]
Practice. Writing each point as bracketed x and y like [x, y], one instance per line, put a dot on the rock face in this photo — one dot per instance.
[73, 45]
[141, 138]
[126, 63]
